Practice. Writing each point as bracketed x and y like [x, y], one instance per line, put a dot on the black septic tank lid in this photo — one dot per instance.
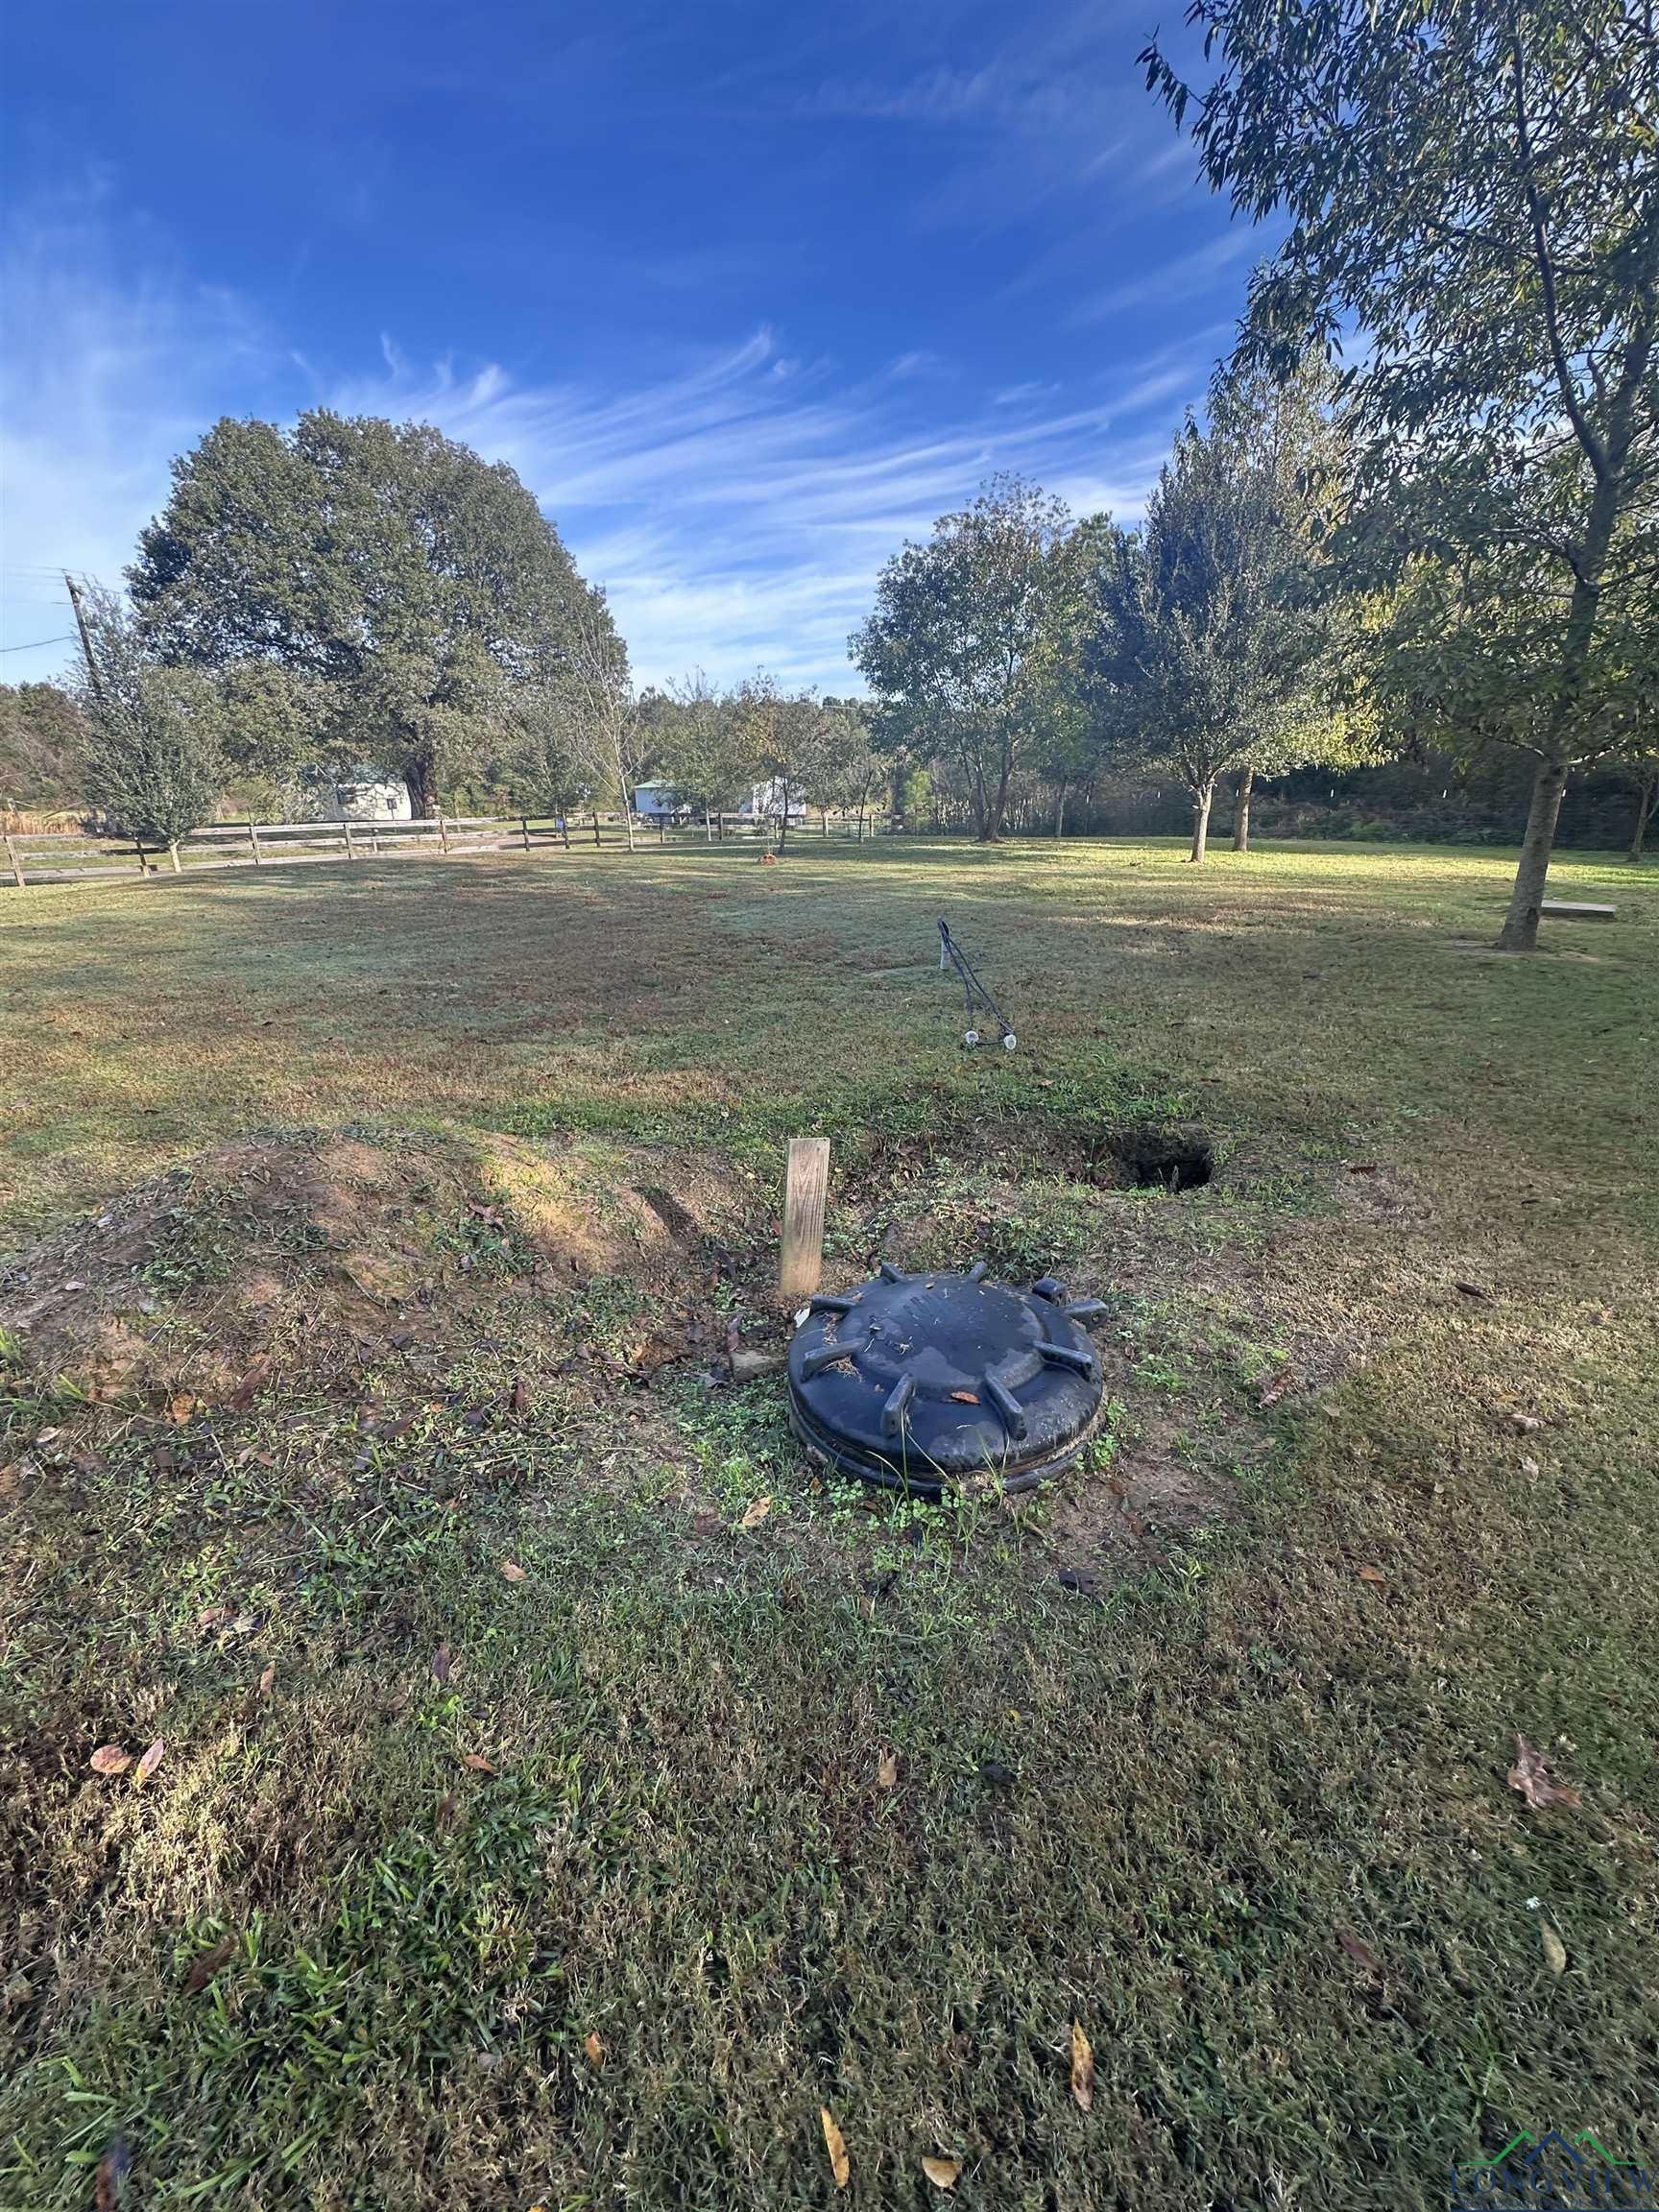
[924, 1382]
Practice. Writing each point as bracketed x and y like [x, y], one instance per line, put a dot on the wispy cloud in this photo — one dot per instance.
[1171, 283]
[736, 523]
[737, 516]
[113, 365]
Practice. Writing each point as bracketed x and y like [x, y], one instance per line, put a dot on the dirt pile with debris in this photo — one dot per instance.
[296, 1250]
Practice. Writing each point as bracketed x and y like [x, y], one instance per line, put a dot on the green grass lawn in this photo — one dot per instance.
[795, 1797]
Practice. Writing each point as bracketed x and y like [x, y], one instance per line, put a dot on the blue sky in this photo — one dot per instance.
[746, 292]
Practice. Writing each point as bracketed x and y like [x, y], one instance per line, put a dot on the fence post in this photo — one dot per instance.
[565, 825]
[16, 865]
[524, 825]
[254, 840]
[350, 849]
[173, 856]
[720, 825]
[661, 829]
[143, 864]
[596, 828]
[443, 833]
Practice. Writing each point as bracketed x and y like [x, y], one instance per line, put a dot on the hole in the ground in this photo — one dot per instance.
[1177, 1158]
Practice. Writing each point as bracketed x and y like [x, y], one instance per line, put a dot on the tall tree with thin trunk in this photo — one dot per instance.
[1213, 618]
[952, 648]
[595, 693]
[148, 754]
[703, 747]
[1469, 191]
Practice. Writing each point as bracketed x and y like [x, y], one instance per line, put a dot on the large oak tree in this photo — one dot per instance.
[416, 595]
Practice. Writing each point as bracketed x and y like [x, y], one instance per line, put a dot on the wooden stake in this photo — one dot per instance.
[524, 825]
[254, 840]
[16, 864]
[173, 856]
[350, 849]
[442, 831]
[801, 1262]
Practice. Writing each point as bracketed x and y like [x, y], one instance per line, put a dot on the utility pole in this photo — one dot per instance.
[85, 640]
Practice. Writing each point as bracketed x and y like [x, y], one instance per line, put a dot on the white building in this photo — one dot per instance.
[357, 793]
[659, 802]
[765, 802]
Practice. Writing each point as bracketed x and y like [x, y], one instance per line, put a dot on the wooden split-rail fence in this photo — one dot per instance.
[39, 857]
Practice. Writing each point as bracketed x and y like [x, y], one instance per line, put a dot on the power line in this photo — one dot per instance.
[68, 638]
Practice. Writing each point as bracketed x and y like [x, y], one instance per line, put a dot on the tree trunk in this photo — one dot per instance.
[708, 829]
[1649, 792]
[1060, 811]
[1241, 810]
[1201, 799]
[783, 816]
[996, 808]
[1520, 930]
[423, 787]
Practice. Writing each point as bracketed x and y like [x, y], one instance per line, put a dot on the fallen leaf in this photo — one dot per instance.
[151, 1759]
[1361, 1167]
[1276, 1388]
[180, 1407]
[1554, 1950]
[445, 1812]
[1082, 2068]
[1373, 1575]
[519, 1398]
[887, 1771]
[441, 1663]
[1525, 1422]
[247, 1390]
[733, 1336]
[1473, 1290]
[756, 1513]
[210, 1963]
[943, 2172]
[835, 2143]
[1530, 1467]
[110, 1759]
[512, 1572]
[267, 1678]
[478, 1763]
[964, 1398]
[1361, 1954]
[595, 2050]
[1530, 1777]
[48, 1435]
[107, 2183]
[213, 1617]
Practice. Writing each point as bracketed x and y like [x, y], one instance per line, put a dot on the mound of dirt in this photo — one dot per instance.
[297, 1248]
